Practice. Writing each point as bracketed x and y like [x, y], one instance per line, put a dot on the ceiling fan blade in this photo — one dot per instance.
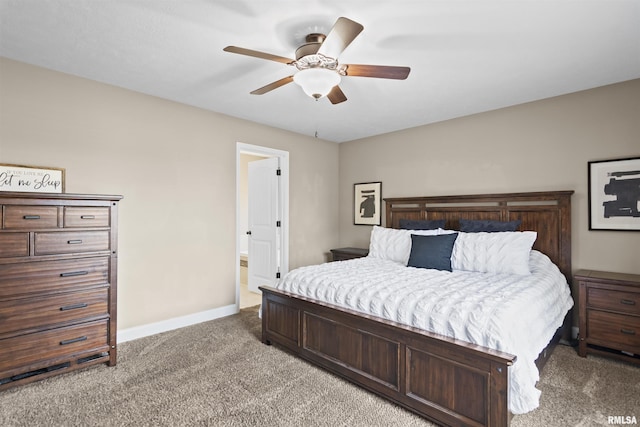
[258, 54]
[336, 96]
[379, 71]
[271, 86]
[343, 32]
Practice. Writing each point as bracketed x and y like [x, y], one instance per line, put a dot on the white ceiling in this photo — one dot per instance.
[466, 57]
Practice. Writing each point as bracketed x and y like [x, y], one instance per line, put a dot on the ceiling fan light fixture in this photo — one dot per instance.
[319, 72]
[317, 82]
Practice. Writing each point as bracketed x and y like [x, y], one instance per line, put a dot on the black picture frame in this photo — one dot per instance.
[614, 194]
[367, 203]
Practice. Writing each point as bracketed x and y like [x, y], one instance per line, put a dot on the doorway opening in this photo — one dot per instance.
[266, 265]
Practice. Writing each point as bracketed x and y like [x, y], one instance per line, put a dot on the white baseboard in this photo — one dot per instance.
[136, 332]
[574, 332]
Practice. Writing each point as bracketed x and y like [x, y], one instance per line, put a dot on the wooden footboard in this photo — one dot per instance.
[448, 381]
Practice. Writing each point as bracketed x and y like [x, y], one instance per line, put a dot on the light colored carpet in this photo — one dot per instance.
[218, 373]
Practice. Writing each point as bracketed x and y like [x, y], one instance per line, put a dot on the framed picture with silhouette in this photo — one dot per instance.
[367, 200]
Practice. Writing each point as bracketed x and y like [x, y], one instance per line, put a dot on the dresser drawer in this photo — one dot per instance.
[71, 242]
[52, 276]
[30, 217]
[29, 313]
[624, 331]
[28, 350]
[86, 217]
[625, 302]
[14, 245]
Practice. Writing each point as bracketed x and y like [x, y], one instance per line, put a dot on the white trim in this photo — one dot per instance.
[136, 332]
[284, 188]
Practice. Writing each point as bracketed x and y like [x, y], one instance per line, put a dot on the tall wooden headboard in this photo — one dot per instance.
[548, 213]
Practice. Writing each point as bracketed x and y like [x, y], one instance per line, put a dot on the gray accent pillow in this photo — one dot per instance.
[422, 224]
[432, 251]
[489, 226]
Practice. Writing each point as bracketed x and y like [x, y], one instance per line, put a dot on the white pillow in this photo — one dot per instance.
[443, 231]
[502, 252]
[394, 244]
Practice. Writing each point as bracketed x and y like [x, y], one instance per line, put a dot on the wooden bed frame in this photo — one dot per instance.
[448, 381]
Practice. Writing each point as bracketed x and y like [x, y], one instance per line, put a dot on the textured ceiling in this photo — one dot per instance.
[466, 57]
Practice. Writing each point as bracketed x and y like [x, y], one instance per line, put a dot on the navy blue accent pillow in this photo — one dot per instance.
[489, 226]
[422, 224]
[432, 251]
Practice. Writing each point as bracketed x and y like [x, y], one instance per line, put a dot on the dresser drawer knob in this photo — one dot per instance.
[74, 242]
[628, 331]
[72, 340]
[627, 302]
[74, 273]
[31, 217]
[74, 306]
[87, 217]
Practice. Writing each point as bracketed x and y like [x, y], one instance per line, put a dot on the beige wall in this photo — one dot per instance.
[537, 146]
[175, 166]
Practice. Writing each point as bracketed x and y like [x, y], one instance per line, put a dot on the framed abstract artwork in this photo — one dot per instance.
[367, 203]
[614, 194]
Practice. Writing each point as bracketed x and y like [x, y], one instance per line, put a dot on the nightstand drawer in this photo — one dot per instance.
[30, 217]
[614, 329]
[31, 313]
[625, 302]
[71, 242]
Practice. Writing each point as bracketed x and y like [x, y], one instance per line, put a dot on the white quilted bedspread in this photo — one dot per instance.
[511, 313]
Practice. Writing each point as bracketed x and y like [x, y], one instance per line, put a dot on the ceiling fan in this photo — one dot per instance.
[319, 72]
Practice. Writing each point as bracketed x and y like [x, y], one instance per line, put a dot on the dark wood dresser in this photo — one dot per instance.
[609, 314]
[341, 254]
[58, 281]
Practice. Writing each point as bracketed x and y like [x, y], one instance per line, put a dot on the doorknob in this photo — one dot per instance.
[249, 233]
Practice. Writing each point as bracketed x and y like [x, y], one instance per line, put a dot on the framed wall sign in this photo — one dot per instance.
[367, 202]
[31, 179]
[614, 194]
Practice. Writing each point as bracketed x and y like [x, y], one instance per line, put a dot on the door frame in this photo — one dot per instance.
[242, 148]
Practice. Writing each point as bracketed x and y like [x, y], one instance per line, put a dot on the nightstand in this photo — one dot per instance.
[342, 254]
[609, 315]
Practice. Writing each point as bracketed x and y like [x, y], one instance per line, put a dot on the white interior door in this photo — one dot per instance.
[263, 213]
